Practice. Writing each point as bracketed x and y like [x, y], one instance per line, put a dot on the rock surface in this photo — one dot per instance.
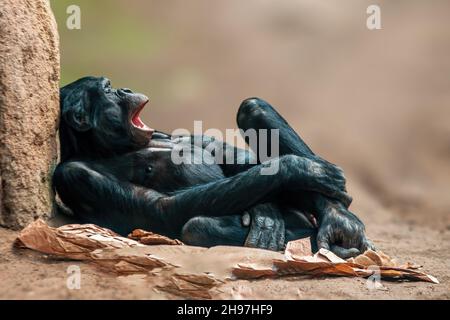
[29, 108]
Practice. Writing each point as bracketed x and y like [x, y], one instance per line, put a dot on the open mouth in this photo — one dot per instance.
[136, 119]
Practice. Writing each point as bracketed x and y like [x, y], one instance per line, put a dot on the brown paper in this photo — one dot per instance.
[150, 238]
[300, 260]
[298, 248]
[71, 241]
[195, 272]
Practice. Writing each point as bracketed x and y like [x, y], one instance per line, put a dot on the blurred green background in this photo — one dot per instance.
[116, 39]
[375, 102]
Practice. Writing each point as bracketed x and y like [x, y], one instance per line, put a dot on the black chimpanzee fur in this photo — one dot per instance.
[117, 173]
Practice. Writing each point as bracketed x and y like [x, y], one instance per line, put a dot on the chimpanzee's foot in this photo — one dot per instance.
[214, 231]
[341, 231]
[267, 228]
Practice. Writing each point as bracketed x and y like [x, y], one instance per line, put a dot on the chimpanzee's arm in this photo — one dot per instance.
[100, 197]
[97, 196]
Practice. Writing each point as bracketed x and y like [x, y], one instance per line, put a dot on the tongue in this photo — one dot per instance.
[138, 122]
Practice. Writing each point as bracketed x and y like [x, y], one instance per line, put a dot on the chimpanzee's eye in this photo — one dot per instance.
[108, 88]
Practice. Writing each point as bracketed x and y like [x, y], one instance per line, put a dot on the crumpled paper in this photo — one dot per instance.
[72, 241]
[299, 259]
[195, 272]
[150, 238]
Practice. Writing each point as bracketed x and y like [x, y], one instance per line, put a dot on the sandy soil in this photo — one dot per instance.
[376, 103]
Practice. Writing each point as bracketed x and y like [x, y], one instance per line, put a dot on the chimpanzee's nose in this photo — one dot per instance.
[124, 91]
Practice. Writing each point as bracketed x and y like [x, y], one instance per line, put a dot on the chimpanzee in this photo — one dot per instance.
[117, 172]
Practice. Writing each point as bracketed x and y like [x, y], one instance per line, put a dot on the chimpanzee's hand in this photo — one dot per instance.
[266, 228]
[326, 178]
[342, 232]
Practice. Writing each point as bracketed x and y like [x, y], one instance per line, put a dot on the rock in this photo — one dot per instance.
[29, 109]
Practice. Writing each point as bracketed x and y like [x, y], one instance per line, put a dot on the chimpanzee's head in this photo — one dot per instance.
[98, 120]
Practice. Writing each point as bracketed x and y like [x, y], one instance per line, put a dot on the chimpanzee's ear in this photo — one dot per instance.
[76, 116]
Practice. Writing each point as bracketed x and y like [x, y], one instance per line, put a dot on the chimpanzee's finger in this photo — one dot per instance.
[254, 234]
[267, 240]
[263, 240]
[278, 235]
[355, 237]
[281, 244]
[273, 243]
[343, 252]
[324, 239]
[256, 237]
[253, 238]
[259, 236]
[366, 244]
[351, 238]
[272, 238]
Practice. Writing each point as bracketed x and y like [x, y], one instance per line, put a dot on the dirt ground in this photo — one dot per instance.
[374, 102]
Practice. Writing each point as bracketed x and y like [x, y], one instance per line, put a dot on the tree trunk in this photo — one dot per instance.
[29, 109]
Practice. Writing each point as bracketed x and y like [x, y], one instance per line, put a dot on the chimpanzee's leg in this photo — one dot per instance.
[257, 114]
[214, 231]
[339, 229]
[229, 230]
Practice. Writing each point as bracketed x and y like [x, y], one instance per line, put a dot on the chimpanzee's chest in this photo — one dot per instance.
[168, 166]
